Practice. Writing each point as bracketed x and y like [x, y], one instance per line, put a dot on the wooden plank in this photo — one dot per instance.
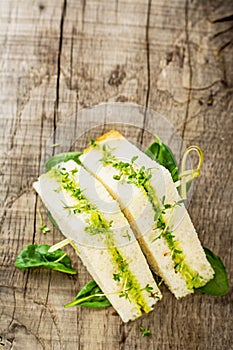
[58, 58]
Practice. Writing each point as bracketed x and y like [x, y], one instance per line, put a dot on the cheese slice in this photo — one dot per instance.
[149, 199]
[88, 216]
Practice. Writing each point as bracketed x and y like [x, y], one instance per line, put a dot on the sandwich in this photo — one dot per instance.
[154, 209]
[92, 220]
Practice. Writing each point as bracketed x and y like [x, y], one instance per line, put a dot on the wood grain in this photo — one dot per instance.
[59, 57]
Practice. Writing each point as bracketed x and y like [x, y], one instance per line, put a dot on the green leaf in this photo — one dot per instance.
[44, 228]
[145, 332]
[116, 277]
[62, 157]
[163, 155]
[148, 288]
[37, 255]
[90, 296]
[219, 285]
[133, 159]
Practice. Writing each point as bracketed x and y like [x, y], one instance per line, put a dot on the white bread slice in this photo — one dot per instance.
[98, 256]
[137, 208]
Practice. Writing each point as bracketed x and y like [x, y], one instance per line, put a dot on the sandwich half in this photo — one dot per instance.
[89, 217]
[149, 199]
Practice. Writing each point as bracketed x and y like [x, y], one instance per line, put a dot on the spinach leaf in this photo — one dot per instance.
[91, 296]
[62, 157]
[163, 155]
[37, 255]
[219, 285]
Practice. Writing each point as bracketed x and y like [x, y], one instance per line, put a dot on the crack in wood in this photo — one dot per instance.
[222, 32]
[48, 290]
[53, 317]
[116, 7]
[204, 88]
[122, 336]
[125, 330]
[38, 172]
[17, 325]
[36, 199]
[71, 58]
[83, 13]
[14, 309]
[224, 46]
[40, 319]
[148, 52]
[8, 205]
[223, 19]
[18, 118]
[34, 219]
[147, 39]
[56, 104]
[190, 67]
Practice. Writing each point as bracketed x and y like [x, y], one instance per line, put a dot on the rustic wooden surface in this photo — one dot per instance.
[58, 57]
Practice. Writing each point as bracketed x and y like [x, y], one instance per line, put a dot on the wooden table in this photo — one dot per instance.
[59, 57]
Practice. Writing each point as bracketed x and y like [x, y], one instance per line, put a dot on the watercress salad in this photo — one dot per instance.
[37, 255]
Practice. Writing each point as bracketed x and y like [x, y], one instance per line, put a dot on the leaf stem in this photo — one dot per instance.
[81, 300]
[61, 257]
[40, 217]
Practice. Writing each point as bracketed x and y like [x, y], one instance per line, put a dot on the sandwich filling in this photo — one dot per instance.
[97, 224]
[128, 172]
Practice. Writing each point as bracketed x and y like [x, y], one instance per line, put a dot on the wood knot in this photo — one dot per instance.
[117, 76]
[41, 7]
